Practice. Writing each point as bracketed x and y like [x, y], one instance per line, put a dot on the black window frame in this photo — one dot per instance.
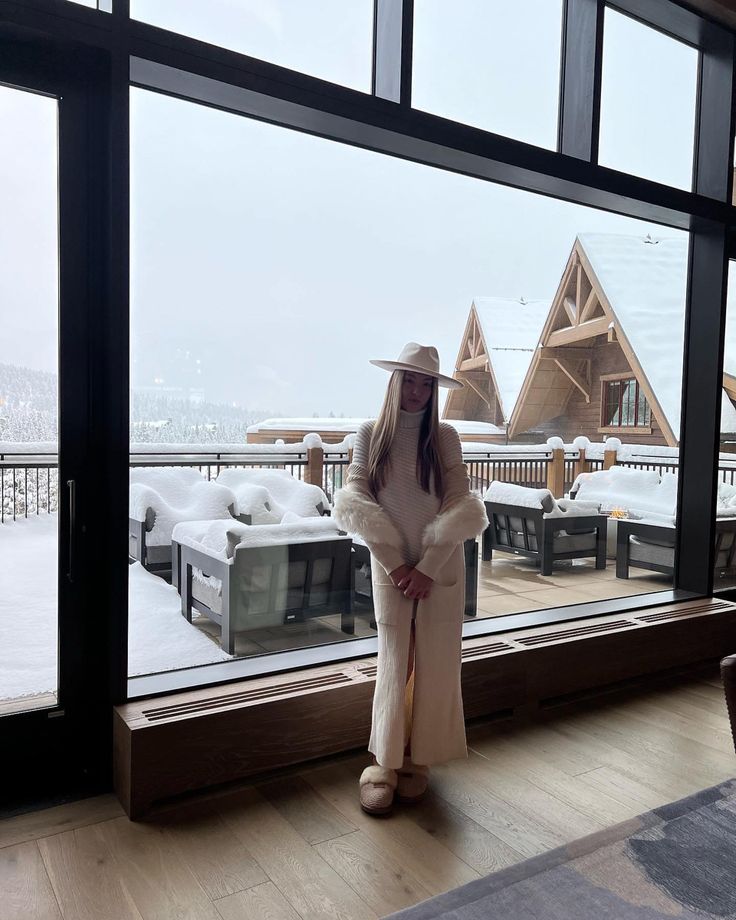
[385, 122]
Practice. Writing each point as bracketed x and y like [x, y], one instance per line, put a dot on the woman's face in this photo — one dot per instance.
[416, 391]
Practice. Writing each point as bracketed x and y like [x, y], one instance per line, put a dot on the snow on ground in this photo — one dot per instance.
[160, 639]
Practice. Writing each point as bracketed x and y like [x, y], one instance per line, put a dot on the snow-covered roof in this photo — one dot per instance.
[308, 424]
[511, 330]
[645, 282]
[463, 426]
[728, 415]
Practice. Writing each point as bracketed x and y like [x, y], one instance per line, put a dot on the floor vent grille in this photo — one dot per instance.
[689, 611]
[574, 633]
[490, 649]
[246, 696]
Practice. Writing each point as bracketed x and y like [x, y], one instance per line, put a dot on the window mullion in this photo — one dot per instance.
[580, 79]
[392, 50]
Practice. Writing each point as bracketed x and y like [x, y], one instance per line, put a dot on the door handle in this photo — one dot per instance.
[72, 486]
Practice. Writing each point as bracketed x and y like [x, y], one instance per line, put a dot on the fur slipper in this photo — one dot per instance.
[377, 786]
[412, 782]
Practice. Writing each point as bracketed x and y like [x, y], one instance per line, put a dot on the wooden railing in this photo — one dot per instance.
[29, 482]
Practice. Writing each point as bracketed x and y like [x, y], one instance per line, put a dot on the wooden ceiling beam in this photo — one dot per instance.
[474, 364]
[589, 306]
[587, 330]
[565, 351]
[581, 383]
[569, 305]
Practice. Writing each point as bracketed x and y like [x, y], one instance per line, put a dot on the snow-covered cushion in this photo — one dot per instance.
[566, 507]
[637, 491]
[255, 501]
[222, 538]
[506, 493]
[176, 495]
[286, 492]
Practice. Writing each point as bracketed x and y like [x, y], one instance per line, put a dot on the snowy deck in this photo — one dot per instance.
[160, 639]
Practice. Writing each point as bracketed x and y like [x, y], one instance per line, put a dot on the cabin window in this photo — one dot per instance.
[624, 405]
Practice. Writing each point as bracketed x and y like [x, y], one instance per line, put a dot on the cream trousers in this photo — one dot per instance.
[437, 725]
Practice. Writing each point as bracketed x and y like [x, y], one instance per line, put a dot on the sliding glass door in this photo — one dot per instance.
[44, 444]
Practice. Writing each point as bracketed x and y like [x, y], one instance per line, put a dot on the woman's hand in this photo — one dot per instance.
[398, 574]
[415, 585]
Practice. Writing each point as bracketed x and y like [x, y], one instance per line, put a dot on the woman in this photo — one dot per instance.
[407, 496]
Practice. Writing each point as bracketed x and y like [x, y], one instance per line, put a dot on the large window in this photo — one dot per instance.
[331, 39]
[248, 381]
[29, 488]
[650, 83]
[500, 65]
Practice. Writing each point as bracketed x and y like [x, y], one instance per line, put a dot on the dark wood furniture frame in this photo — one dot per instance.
[542, 533]
[361, 555]
[667, 536]
[339, 595]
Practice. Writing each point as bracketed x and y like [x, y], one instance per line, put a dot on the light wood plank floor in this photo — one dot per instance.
[298, 846]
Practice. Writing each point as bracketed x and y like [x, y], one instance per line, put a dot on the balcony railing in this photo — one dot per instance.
[29, 480]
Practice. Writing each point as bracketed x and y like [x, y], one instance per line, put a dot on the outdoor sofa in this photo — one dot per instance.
[532, 523]
[645, 537]
[162, 497]
[265, 496]
[246, 577]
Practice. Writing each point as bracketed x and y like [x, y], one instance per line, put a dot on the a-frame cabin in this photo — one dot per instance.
[609, 360]
[497, 346]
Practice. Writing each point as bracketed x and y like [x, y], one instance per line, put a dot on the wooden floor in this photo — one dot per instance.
[298, 846]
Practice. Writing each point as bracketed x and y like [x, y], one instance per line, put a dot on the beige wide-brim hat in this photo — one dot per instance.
[424, 359]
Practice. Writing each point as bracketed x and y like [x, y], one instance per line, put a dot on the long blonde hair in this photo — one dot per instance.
[429, 466]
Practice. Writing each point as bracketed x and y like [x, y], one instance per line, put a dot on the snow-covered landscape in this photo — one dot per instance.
[159, 638]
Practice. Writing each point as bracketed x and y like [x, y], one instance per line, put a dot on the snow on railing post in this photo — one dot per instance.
[581, 444]
[314, 471]
[610, 452]
[556, 467]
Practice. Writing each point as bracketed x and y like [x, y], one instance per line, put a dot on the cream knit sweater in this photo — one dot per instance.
[407, 505]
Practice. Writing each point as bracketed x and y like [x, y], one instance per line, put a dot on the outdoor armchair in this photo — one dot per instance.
[267, 495]
[530, 522]
[263, 575]
[162, 497]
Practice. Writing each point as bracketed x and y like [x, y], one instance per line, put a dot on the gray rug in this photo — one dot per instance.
[678, 861]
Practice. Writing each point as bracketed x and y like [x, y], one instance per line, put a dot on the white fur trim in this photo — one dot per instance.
[377, 775]
[462, 521]
[355, 513]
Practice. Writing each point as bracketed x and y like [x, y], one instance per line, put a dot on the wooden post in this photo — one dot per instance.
[609, 459]
[350, 455]
[582, 466]
[556, 473]
[315, 463]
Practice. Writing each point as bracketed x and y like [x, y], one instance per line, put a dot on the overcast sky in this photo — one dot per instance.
[269, 266]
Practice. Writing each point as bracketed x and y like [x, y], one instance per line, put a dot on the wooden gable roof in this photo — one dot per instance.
[497, 345]
[580, 314]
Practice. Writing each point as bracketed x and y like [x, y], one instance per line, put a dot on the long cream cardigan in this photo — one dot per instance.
[438, 732]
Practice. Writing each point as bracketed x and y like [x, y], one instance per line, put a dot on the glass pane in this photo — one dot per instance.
[28, 401]
[647, 102]
[253, 322]
[490, 64]
[613, 401]
[725, 535]
[628, 402]
[330, 39]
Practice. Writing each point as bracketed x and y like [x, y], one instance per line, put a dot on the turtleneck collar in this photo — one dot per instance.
[410, 419]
